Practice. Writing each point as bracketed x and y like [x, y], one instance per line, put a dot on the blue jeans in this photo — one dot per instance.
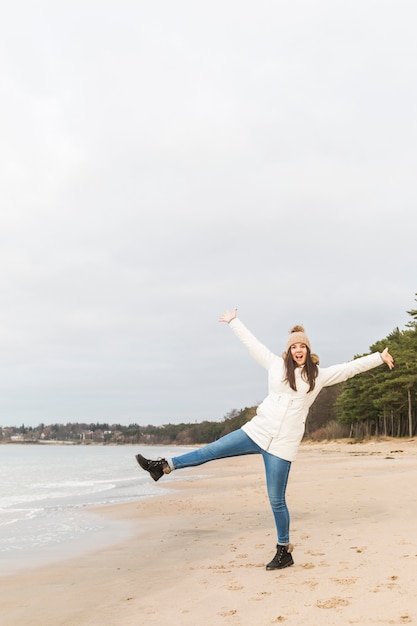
[238, 443]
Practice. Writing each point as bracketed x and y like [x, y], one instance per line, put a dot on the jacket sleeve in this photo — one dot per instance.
[339, 373]
[257, 350]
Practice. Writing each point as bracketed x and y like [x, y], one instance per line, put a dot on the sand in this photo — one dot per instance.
[198, 554]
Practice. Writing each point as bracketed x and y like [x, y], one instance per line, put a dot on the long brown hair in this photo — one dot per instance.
[309, 373]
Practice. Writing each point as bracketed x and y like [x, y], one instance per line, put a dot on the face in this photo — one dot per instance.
[299, 353]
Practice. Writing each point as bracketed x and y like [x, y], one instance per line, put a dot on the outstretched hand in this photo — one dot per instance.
[228, 316]
[387, 358]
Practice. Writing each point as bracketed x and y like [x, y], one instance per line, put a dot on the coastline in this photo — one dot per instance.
[198, 553]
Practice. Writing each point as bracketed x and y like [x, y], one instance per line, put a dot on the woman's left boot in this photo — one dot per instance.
[282, 558]
[155, 468]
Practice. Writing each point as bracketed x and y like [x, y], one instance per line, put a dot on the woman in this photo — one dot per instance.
[275, 432]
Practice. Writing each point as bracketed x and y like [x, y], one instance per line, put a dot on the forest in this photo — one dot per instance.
[378, 403]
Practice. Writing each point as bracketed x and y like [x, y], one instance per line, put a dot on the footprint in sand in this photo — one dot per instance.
[228, 613]
[345, 581]
[331, 603]
[261, 595]
[234, 587]
[389, 585]
[359, 549]
[217, 569]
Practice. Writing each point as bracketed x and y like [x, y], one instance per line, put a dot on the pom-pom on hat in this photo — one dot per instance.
[297, 335]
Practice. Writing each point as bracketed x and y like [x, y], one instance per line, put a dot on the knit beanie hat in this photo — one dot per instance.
[297, 335]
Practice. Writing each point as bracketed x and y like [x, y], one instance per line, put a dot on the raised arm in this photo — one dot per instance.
[339, 373]
[256, 349]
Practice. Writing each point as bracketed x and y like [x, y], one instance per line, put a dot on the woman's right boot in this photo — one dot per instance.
[282, 558]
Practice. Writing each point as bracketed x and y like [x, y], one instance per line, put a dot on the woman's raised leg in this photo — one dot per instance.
[236, 443]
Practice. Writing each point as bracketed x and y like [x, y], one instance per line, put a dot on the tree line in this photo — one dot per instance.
[376, 403]
[381, 402]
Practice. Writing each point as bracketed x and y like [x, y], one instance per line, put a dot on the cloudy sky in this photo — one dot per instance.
[164, 161]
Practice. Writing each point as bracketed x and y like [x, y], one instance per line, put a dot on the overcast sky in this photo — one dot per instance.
[164, 161]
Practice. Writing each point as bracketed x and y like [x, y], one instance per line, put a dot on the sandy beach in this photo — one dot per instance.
[198, 554]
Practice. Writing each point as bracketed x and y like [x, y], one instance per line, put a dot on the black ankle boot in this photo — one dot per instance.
[155, 468]
[282, 558]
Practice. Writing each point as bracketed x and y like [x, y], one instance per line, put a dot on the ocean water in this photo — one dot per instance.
[47, 491]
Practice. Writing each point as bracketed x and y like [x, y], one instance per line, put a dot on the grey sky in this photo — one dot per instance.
[164, 161]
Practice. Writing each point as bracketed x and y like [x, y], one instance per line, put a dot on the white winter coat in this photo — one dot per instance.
[279, 423]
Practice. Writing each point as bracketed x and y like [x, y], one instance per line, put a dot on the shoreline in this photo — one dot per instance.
[106, 534]
[198, 553]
